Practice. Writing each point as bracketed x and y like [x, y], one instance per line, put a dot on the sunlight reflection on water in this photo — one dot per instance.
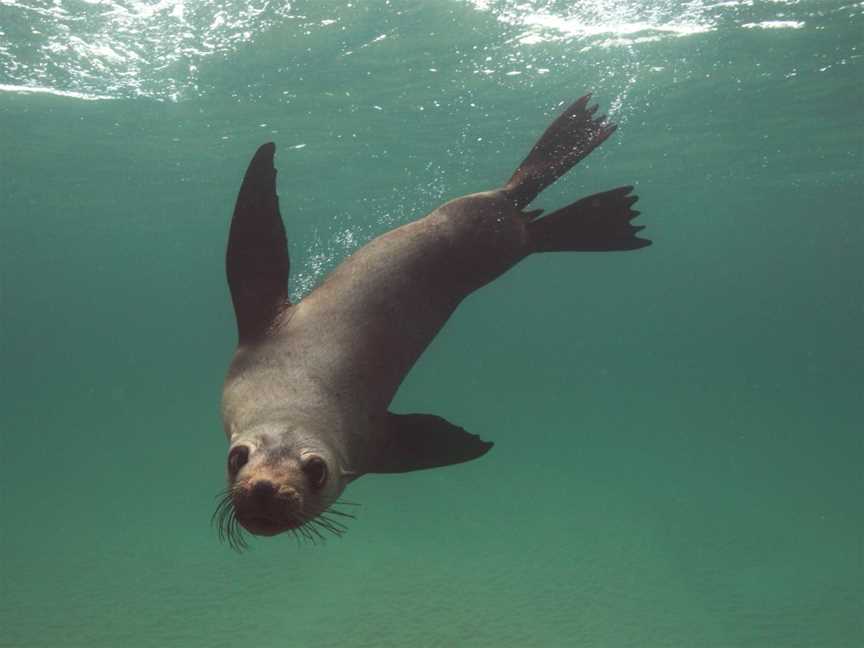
[127, 48]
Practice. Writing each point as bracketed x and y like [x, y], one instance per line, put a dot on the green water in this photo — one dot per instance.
[679, 446]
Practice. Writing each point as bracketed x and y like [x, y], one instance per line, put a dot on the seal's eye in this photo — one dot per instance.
[316, 471]
[237, 458]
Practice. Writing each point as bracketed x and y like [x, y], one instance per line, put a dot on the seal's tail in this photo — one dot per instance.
[598, 223]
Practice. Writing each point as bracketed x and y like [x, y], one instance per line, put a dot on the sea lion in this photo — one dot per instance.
[305, 402]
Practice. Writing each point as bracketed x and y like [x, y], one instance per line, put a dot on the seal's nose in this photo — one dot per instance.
[263, 489]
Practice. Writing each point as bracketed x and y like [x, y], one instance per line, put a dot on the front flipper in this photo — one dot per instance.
[257, 257]
[419, 441]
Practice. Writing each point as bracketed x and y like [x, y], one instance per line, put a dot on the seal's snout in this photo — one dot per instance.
[266, 508]
[265, 494]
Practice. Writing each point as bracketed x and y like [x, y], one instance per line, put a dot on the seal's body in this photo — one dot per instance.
[306, 397]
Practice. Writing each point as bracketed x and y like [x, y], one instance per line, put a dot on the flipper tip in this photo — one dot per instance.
[268, 148]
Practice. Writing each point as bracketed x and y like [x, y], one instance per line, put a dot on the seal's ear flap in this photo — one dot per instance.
[419, 441]
[257, 259]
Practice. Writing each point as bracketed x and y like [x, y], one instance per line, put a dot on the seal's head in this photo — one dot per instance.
[280, 482]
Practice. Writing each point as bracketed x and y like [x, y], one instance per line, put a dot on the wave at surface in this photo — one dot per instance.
[605, 23]
[120, 48]
[97, 49]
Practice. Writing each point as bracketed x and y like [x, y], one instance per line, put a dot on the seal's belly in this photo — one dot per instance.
[382, 306]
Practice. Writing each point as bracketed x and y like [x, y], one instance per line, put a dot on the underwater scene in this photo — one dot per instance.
[678, 453]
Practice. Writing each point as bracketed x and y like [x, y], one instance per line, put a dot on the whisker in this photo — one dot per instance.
[325, 521]
[313, 524]
[301, 539]
[311, 529]
[235, 535]
[331, 531]
[307, 530]
[305, 523]
[340, 522]
[225, 521]
[304, 531]
[329, 520]
[329, 526]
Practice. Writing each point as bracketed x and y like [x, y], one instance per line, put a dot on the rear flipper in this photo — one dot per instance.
[572, 136]
[598, 223]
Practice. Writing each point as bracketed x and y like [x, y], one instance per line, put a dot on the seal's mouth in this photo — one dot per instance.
[266, 526]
